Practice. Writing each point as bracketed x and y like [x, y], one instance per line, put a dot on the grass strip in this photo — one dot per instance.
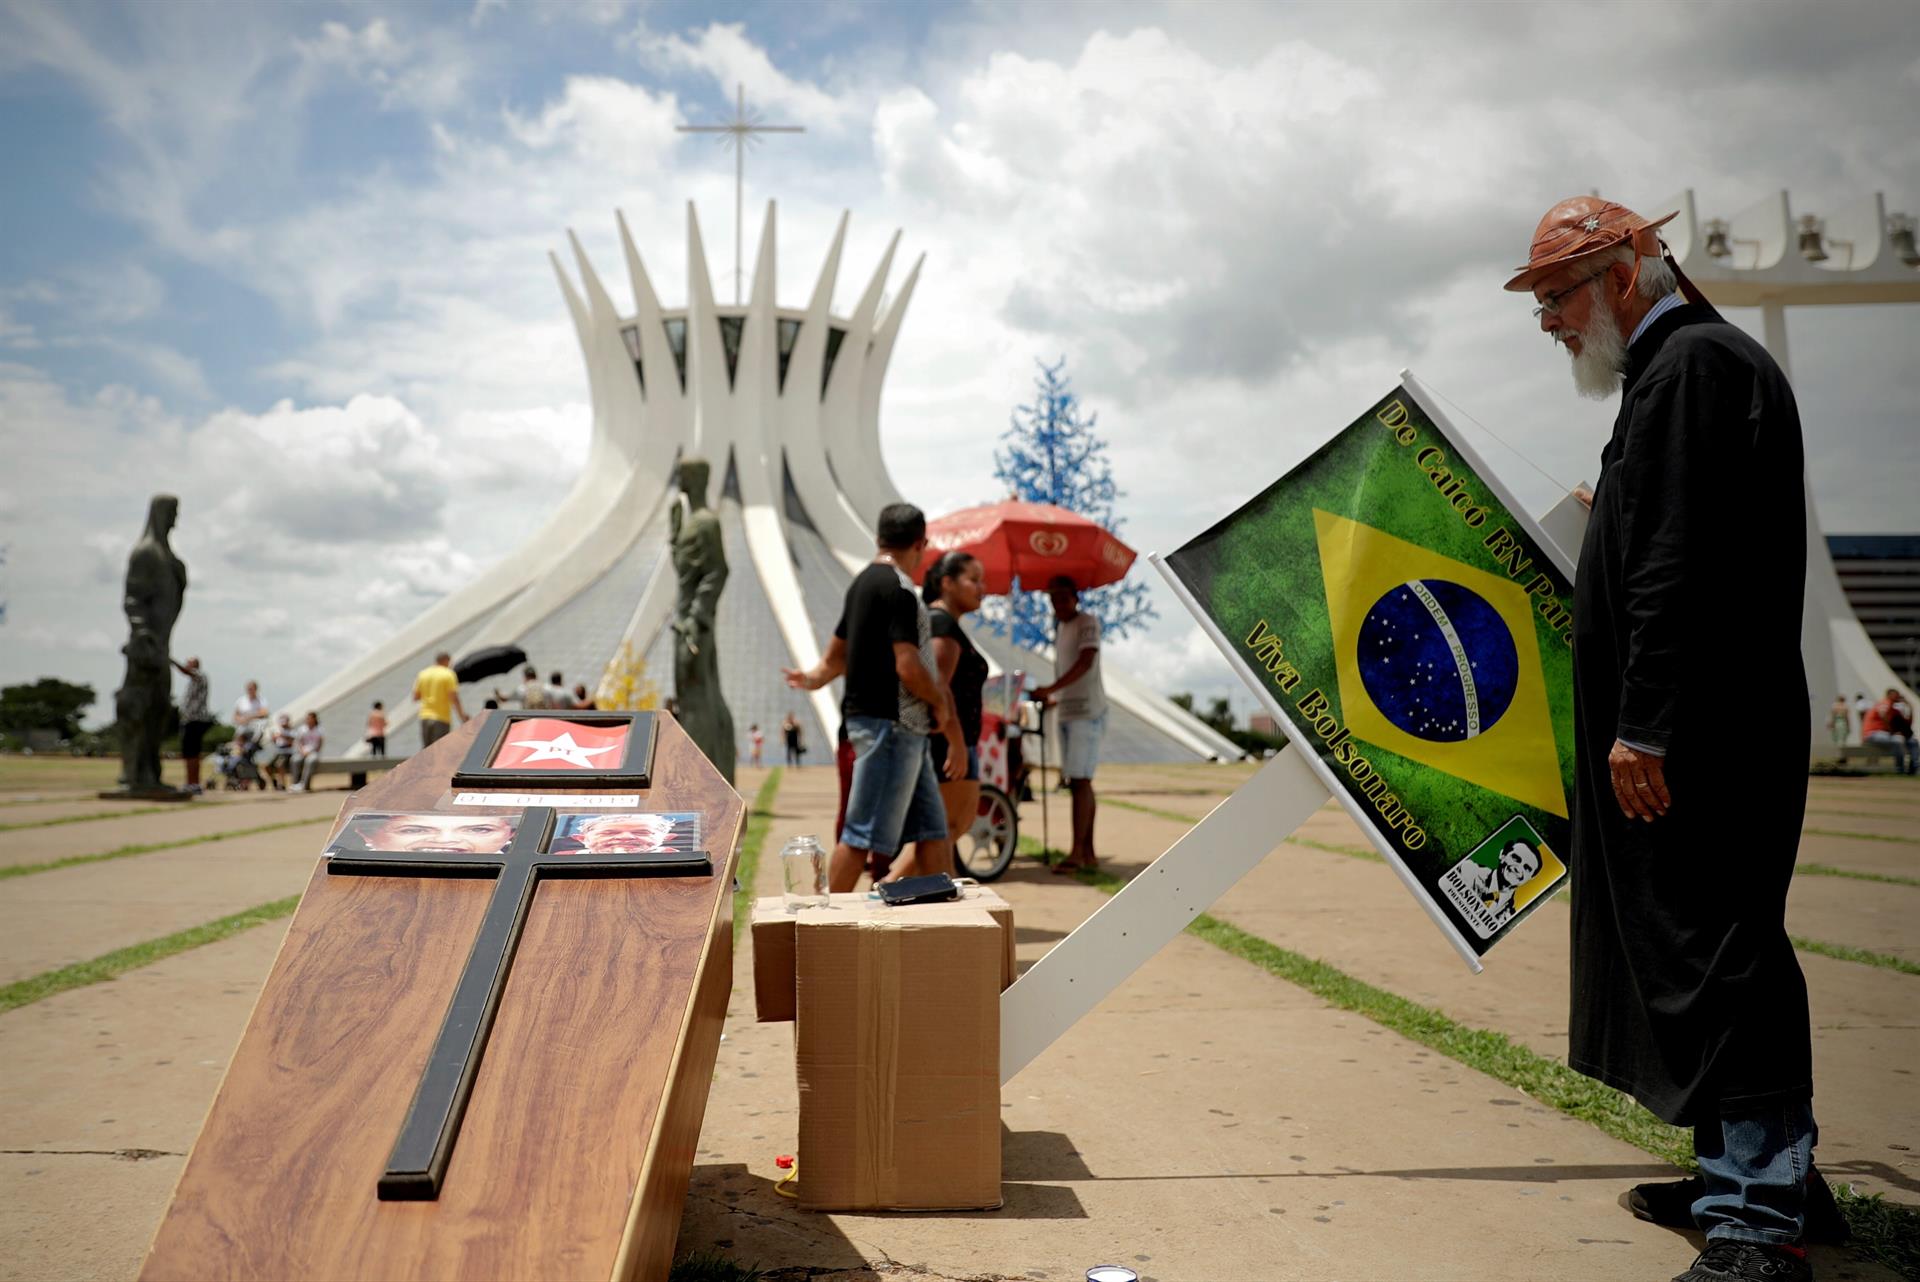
[1848, 953]
[1356, 852]
[711, 1266]
[91, 817]
[1155, 811]
[759, 819]
[1857, 813]
[1886, 1231]
[1828, 870]
[124, 852]
[1861, 836]
[111, 965]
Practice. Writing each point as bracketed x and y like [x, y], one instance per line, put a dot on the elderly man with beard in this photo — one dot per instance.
[1686, 991]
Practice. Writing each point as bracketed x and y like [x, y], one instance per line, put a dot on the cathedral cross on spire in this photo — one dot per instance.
[738, 134]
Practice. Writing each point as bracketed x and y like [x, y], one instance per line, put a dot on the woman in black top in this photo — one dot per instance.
[953, 587]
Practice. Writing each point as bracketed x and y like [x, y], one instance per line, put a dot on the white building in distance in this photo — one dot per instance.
[784, 402]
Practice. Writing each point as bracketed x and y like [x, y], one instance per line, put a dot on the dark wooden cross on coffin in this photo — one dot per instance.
[418, 1162]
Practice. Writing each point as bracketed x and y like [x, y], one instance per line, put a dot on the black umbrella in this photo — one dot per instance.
[490, 662]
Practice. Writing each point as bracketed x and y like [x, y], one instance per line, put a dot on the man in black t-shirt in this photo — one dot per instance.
[891, 705]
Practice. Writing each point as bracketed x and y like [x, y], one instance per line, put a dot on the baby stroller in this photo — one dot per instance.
[986, 850]
[235, 763]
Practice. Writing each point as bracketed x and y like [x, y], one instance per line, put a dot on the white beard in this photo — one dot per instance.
[1602, 361]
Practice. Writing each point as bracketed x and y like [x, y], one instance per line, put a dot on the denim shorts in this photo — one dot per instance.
[1080, 746]
[895, 798]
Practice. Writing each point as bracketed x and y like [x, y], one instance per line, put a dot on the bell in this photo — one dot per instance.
[1900, 228]
[1812, 234]
[1717, 246]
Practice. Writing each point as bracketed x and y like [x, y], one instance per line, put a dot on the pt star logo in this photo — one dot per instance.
[548, 743]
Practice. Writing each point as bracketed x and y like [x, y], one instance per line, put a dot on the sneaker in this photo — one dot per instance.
[1725, 1260]
[1670, 1205]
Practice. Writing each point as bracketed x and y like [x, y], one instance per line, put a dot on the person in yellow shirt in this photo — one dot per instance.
[438, 691]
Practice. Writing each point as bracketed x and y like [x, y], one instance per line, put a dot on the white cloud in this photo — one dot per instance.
[373, 46]
[318, 528]
[724, 52]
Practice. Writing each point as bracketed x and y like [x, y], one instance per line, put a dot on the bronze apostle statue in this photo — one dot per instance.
[700, 567]
[156, 588]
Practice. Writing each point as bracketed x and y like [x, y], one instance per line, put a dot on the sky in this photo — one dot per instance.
[288, 261]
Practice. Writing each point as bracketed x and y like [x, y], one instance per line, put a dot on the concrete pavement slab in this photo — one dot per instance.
[1858, 854]
[107, 1088]
[62, 841]
[56, 918]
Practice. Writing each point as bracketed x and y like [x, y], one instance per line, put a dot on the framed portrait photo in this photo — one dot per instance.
[543, 749]
[421, 832]
[631, 833]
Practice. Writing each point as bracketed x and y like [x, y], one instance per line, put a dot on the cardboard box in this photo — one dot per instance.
[773, 968]
[897, 1048]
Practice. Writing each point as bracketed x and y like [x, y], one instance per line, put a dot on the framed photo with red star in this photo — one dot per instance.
[555, 749]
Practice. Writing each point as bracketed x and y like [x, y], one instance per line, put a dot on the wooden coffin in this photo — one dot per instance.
[576, 1146]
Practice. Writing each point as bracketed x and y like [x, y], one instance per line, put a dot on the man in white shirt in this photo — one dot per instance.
[1077, 693]
[250, 709]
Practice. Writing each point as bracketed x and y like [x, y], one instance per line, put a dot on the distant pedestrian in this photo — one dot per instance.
[1840, 720]
[583, 701]
[557, 694]
[790, 733]
[306, 746]
[377, 729]
[1889, 724]
[1077, 692]
[529, 694]
[195, 719]
[280, 753]
[953, 590]
[250, 711]
[438, 691]
[756, 742]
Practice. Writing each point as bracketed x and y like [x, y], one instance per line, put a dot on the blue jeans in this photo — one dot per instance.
[1906, 750]
[1755, 1165]
[895, 798]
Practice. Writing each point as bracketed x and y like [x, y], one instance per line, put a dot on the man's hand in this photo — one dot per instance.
[798, 680]
[1583, 495]
[1639, 782]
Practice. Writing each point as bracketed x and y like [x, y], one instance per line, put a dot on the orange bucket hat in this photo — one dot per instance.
[1583, 226]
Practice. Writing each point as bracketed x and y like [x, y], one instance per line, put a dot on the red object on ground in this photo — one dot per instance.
[552, 743]
[1034, 541]
[784, 1161]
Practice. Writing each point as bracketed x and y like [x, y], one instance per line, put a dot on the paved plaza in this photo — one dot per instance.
[1210, 1121]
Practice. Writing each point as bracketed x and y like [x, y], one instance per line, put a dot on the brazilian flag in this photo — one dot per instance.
[1412, 631]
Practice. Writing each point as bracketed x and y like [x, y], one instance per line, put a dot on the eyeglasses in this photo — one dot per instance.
[1551, 303]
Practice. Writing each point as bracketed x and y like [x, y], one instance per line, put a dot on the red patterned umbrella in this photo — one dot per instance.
[1034, 542]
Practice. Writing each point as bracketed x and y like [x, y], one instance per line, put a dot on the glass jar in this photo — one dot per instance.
[803, 869]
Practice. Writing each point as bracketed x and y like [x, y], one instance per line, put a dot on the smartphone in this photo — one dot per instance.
[935, 889]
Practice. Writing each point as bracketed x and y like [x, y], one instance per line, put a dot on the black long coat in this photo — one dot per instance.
[1686, 990]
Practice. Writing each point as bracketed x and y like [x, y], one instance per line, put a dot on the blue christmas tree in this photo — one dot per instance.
[1052, 455]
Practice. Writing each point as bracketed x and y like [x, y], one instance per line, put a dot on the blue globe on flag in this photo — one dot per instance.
[1438, 660]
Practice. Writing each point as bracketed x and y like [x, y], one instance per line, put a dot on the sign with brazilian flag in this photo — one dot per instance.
[1412, 631]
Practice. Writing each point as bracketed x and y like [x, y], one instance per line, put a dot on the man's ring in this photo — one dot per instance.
[1641, 787]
